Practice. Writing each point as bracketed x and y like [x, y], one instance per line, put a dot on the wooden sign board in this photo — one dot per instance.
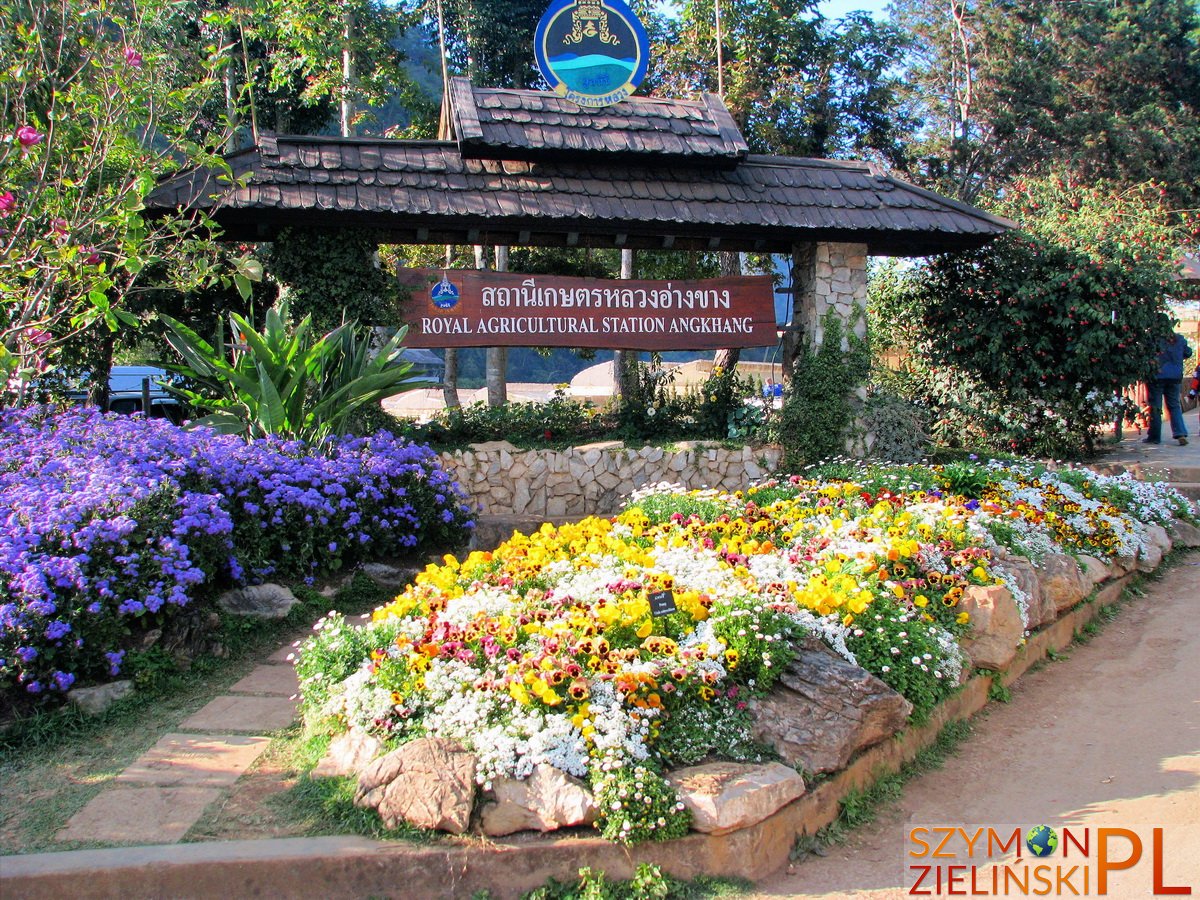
[479, 308]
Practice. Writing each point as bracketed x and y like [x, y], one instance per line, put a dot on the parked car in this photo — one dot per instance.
[128, 387]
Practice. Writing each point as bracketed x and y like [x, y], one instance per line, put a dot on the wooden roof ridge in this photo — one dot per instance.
[522, 124]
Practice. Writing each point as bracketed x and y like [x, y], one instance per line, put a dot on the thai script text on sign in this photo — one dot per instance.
[457, 308]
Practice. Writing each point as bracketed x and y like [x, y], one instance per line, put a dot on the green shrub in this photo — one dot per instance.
[898, 426]
[817, 408]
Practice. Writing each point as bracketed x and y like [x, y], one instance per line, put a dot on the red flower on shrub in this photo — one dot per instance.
[133, 58]
[7, 202]
[28, 136]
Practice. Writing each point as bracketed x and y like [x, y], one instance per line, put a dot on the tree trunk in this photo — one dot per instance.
[804, 261]
[731, 264]
[625, 361]
[450, 380]
[231, 91]
[496, 366]
[348, 75]
[450, 377]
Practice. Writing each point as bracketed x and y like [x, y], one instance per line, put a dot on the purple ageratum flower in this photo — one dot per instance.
[63, 681]
[78, 494]
[115, 658]
[27, 654]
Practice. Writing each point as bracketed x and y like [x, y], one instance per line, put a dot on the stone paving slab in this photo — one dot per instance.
[195, 760]
[280, 680]
[284, 654]
[253, 715]
[142, 815]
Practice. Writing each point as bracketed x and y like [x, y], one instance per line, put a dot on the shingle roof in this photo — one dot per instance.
[497, 123]
[426, 192]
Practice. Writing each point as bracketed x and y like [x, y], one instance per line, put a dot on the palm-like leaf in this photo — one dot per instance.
[284, 380]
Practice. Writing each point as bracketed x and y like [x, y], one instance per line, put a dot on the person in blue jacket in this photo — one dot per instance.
[1166, 386]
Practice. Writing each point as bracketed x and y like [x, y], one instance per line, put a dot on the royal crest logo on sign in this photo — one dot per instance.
[445, 294]
[593, 52]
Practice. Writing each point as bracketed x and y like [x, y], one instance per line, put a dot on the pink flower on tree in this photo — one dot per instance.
[90, 255]
[58, 228]
[7, 202]
[133, 58]
[27, 135]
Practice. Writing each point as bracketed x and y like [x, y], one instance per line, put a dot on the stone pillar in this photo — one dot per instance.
[841, 285]
[826, 277]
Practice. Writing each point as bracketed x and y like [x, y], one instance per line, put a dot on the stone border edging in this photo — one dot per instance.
[356, 867]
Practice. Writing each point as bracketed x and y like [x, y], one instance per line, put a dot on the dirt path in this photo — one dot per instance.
[1107, 737]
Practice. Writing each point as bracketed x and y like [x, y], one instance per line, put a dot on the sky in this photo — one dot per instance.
[835, 9]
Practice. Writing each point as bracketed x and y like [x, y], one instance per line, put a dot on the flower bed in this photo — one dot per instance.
[547, 652]
[113, 524]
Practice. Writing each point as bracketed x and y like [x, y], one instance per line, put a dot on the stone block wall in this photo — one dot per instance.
[502, 480]
[838, 283]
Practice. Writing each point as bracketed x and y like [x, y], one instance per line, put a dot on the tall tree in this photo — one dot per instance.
[796, 83]
[97, 98]
[1107, 90]
[366, 65]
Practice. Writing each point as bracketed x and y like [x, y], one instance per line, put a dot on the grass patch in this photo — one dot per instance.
[324, 806]
[649, 882]
[52, 762]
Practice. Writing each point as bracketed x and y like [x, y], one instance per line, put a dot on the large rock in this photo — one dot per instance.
[1122, 565]
[726, 796]
[1185, 534]
[428, 782]
[260, 601]
[95, 700]
[349, 754]
[1039, 610]
[1150, 558]
[1093, 569]
[824, 710]
[1158, 536]
[545, 801]
[1063, 584]
[388, 576]
[996, 627]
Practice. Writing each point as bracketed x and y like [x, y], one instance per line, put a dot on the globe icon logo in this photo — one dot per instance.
[1042, 840]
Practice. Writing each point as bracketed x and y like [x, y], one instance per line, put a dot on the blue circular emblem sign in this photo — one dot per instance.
[444, 294]
[593, 52]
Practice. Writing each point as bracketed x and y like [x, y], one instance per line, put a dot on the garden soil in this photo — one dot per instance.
[1108, 736]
